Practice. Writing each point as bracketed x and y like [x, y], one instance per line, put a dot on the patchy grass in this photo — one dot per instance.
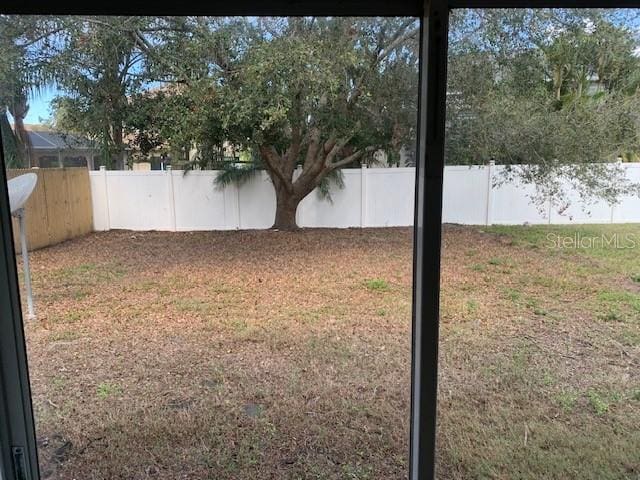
[377, 284]
[543, 379]
[277, 355]
[567, 400]
[598, 403]
[106, 390]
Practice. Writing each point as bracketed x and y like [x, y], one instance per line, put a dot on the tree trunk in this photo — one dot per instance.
[18, 110]
[9, 143]
[286, 207]
[118, 156]
[22, 137]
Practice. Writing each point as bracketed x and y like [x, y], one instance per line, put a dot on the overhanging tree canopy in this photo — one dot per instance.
[539, 90]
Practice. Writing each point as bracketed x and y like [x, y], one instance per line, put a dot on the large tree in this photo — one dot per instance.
[310, 94]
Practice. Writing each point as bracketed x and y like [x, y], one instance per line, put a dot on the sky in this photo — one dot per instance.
[39, 106]
[39, 110]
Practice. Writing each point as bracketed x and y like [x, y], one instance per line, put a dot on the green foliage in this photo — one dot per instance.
[538, 90]
[237, 173]
[598, 403]
[513, 294]
[471, 307]
[567, 400]
[162, 121]
[377, 284]
[97, 61]
[106, 390]
[309, 94]
[24, 72]
[334, 179]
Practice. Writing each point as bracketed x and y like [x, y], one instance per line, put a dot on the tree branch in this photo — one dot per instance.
[40, 37]
[313, 148]
[398, 39]
[396, 42]
[148, 48]
[267, 154]
[345, 161]
[337, 146]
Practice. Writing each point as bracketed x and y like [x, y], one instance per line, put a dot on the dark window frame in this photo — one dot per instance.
[16, 416]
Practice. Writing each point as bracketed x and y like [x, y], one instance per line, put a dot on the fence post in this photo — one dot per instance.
[363, 195]
[238, 217]
[103, 171]
[172, 199]
[489, 215]
[626, 175]
[299, 215]
[613, 213]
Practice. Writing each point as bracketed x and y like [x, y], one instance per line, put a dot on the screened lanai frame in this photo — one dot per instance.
[18, 455]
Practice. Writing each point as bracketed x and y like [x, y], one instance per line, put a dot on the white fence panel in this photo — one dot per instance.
[200, 205]
[575, 211]
[512, 204]
[99, 201]
[139, 200]
[257, 203]
[380, 197]
[628, 210]
[389, 197]
[342, 211]
[466, 195]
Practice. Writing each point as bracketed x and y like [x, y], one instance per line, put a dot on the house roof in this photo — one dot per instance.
[43, 138]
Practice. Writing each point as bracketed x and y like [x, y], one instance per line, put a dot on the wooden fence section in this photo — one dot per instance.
[59, 208]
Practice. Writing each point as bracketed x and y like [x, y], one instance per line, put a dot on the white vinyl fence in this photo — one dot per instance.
[372, 197]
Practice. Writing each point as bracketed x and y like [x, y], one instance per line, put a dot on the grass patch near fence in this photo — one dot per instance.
[278, 355]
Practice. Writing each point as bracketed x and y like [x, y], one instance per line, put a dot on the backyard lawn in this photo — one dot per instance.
[273, 355]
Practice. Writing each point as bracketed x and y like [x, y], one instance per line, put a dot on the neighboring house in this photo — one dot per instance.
[594, 85]
[52, 149]
[162, 156]
[406, 159]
